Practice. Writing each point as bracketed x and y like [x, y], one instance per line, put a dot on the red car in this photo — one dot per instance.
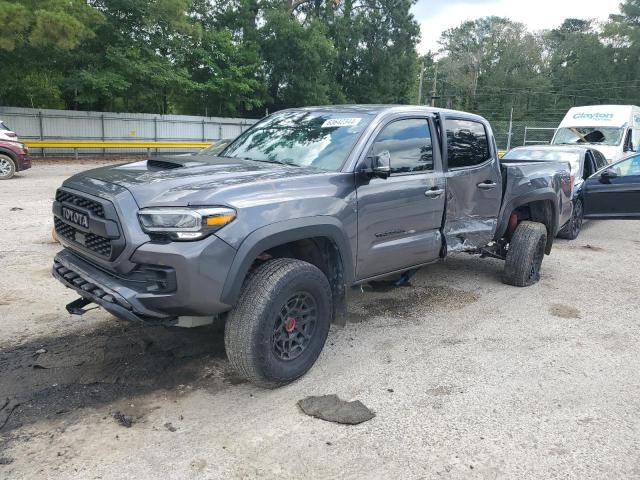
[14, 157]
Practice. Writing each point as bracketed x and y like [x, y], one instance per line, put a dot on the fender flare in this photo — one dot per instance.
[278, 234]
[546, 194]
[12, 155]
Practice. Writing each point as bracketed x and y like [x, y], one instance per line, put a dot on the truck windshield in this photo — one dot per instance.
[546, 155]
[591, 135]
[301, 138]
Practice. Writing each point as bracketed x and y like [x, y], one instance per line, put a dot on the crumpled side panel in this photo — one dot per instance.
[471, 213]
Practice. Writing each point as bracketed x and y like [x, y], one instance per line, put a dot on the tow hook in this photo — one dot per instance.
[77, 306]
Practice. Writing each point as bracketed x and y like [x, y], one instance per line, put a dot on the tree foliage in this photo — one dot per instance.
[245, 57]
[493, 64]
[228, 57]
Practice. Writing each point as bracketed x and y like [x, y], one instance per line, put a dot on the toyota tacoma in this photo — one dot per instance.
[307, 203]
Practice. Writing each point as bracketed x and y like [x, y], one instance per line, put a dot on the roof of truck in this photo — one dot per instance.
[375, 109]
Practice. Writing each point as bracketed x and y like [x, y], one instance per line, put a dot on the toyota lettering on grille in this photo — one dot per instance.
[75, 217]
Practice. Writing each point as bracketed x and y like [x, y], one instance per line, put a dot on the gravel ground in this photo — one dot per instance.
[468, 378]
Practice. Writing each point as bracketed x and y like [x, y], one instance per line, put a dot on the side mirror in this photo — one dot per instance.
[607, 175]
[381, 165]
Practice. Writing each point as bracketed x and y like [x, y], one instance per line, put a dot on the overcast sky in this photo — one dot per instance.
[435, 16]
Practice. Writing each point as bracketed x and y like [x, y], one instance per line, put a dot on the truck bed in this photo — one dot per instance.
[521, 179]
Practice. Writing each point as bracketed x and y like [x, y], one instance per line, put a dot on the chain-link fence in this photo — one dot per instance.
[523, 132]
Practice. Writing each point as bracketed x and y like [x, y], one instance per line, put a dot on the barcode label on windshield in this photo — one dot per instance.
[341, 122]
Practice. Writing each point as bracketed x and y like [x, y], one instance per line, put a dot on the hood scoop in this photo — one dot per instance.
[156, 164]
[171, 163]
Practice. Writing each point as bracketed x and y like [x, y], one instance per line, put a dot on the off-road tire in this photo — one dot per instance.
[251, 325]
[525, 255]
[8, 167]
[572, 229]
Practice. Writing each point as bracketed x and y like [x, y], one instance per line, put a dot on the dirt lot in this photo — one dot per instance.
[469, 378]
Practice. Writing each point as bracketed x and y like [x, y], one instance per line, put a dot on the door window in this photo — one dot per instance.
[408, 144]
[629, 167]
[601, 162]
[467, 143]
[588, 166]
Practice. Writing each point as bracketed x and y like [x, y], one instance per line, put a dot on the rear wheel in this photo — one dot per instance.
[7, 167]
[278, 328]
[572, 229]
[525, 255]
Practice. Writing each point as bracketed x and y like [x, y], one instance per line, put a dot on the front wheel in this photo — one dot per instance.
[7, 167]
[278, 328]
[524, 258]
[572, 229]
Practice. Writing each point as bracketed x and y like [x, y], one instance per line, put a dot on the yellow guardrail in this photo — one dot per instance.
[113, 144]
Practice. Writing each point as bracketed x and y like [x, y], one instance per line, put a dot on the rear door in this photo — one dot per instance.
[399, 217]
[474, 192]
[614, 192]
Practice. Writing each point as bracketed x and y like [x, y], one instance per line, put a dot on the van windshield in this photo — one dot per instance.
[589, 135]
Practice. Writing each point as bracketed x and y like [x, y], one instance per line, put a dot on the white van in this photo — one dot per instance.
[614, 130]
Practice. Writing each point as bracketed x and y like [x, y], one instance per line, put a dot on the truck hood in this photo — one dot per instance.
[190, 181]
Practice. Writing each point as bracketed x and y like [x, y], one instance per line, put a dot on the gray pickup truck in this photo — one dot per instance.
[306, 203]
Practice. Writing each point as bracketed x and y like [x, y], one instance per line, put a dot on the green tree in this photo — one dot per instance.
[489, 65]
[38, 40]
[298, 62]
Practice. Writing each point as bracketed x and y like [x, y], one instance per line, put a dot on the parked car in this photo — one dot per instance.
[215, 148]
[303, 205]
[584, 162]
[614, 191]
[14, 157]
[6, 133]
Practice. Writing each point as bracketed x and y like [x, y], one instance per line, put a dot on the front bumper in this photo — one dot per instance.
[24, 163]
[196, 278]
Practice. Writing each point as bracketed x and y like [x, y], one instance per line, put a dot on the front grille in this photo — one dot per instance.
[95, 243]
[64, 229]
[98, 244]
[91, 205]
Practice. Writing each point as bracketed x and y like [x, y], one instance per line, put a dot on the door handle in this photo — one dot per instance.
[434, 192]
[487, 185]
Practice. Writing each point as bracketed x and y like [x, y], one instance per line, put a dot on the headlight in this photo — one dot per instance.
[185, 223]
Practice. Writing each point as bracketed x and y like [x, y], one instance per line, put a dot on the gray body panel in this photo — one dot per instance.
[527, 182]
[378, 225]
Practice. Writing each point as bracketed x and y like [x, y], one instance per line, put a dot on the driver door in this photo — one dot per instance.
[614, 192]
[399, 217]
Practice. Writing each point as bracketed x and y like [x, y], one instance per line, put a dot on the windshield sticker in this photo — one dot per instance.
[341, 122]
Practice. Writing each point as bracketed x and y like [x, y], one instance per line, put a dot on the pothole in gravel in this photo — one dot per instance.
[564, 311]
[53, 376]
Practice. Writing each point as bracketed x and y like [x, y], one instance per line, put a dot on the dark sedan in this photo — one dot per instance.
[584, 162]
[614, 191]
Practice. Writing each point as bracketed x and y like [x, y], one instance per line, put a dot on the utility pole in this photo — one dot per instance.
[435, 87]
[420, 85]
[510, 130]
